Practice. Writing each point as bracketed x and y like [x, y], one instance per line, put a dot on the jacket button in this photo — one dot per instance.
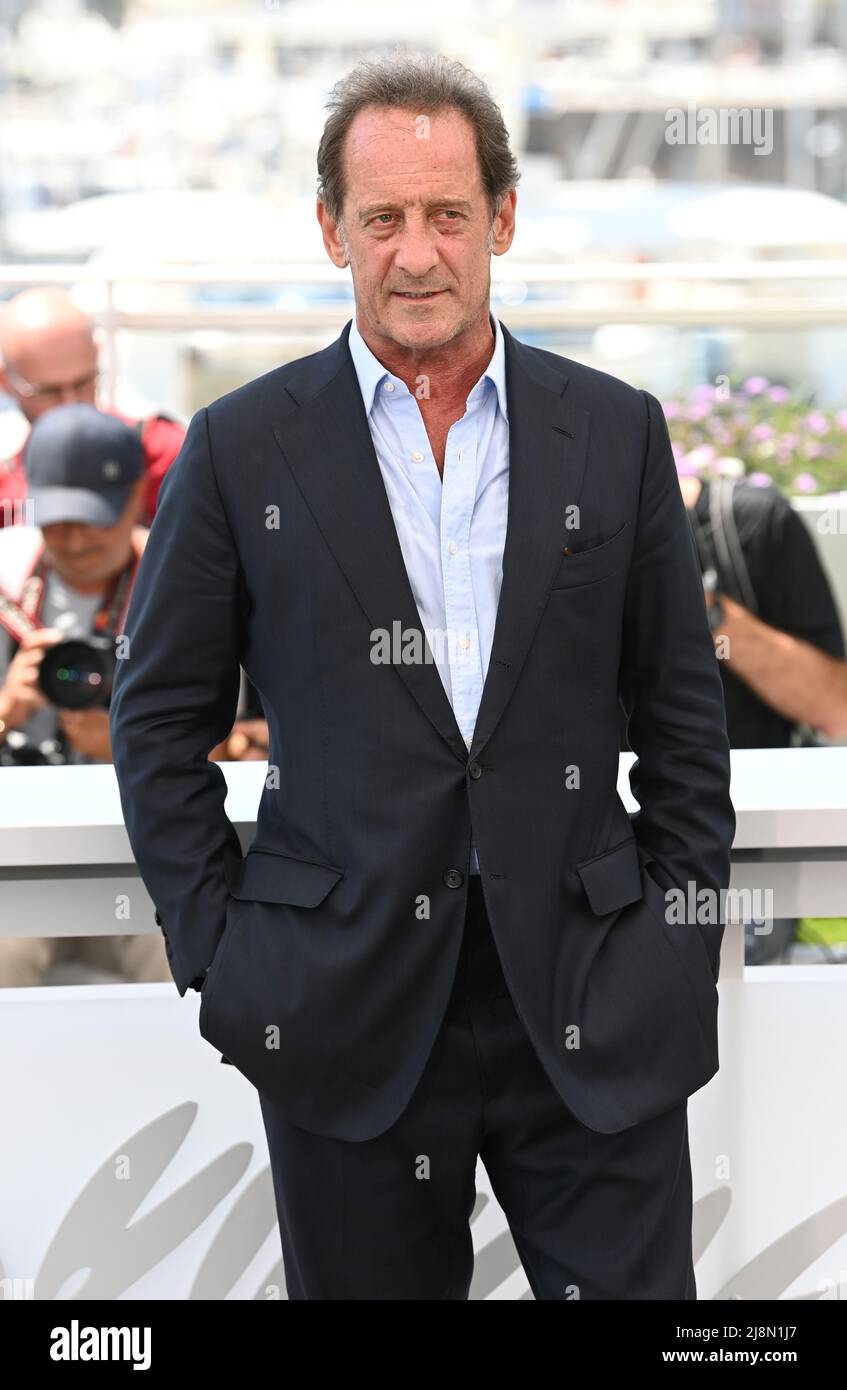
[474, 769]
[454, 878]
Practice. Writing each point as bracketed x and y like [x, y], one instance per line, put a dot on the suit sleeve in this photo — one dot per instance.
[672, 695]
[174, 698]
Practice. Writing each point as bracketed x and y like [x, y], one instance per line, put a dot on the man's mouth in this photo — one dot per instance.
[415, 295]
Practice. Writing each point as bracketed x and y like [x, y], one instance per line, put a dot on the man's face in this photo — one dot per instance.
[87, 556]
[60, 369]
[416, 218]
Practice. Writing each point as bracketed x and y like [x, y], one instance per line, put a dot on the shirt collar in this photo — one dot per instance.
[371, 372]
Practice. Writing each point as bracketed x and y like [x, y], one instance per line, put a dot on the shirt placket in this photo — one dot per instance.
[457, 506]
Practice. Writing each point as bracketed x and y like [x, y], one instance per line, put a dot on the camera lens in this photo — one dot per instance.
[77, 675]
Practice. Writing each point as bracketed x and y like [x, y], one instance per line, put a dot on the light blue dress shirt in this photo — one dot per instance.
[451, 532]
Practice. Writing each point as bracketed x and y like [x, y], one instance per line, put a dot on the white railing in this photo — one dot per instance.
[673, 293]
[63, 841]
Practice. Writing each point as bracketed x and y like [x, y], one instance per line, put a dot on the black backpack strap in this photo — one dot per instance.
[705, 549]
[728, 544]
[721, 551]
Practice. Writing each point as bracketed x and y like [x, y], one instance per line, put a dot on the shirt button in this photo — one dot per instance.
[454, 878]
[417, 456]
[453, 548]
[464, 642]
[388, 386]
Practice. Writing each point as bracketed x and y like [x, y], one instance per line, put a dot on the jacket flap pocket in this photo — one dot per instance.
[265, 876]
[612, 879]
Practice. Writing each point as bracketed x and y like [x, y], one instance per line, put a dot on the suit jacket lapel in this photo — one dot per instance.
[327, 443]
[548, 443]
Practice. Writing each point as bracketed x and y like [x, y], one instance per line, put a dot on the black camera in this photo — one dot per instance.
[77, 674]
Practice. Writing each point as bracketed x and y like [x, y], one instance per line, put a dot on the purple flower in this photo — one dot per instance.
[841, 419]
[704, 392]
[805, 482]
[759, 479]
[778, 394]
[755, 385]
[671, 410]
[762, 432]
[817, 422]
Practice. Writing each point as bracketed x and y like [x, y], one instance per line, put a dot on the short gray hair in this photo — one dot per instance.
[424, 84]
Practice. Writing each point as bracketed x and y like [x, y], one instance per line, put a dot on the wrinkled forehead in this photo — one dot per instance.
[410, 157]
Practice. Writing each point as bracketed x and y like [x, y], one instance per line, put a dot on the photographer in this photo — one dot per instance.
[70, 578]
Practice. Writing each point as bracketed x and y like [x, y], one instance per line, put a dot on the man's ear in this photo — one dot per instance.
[503, 229]
[330, 231]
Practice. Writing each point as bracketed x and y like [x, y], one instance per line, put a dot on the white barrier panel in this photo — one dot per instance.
[134, 1164]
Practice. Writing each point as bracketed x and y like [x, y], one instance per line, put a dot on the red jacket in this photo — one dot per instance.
[161, 441]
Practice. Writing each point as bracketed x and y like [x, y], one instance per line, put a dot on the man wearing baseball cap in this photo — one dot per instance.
[69, 575]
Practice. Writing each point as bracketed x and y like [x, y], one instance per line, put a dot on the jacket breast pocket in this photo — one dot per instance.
[592, 563]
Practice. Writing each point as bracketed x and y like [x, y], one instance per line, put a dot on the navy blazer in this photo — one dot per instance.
[331, 946]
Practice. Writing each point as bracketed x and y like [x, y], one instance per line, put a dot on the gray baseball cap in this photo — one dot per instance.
[81, 465]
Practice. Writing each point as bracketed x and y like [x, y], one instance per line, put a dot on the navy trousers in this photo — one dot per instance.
[592, 1216]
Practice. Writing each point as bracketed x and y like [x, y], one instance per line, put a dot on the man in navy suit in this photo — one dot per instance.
[445, 560]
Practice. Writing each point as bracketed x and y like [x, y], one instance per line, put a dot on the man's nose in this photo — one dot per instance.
[417, 253]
